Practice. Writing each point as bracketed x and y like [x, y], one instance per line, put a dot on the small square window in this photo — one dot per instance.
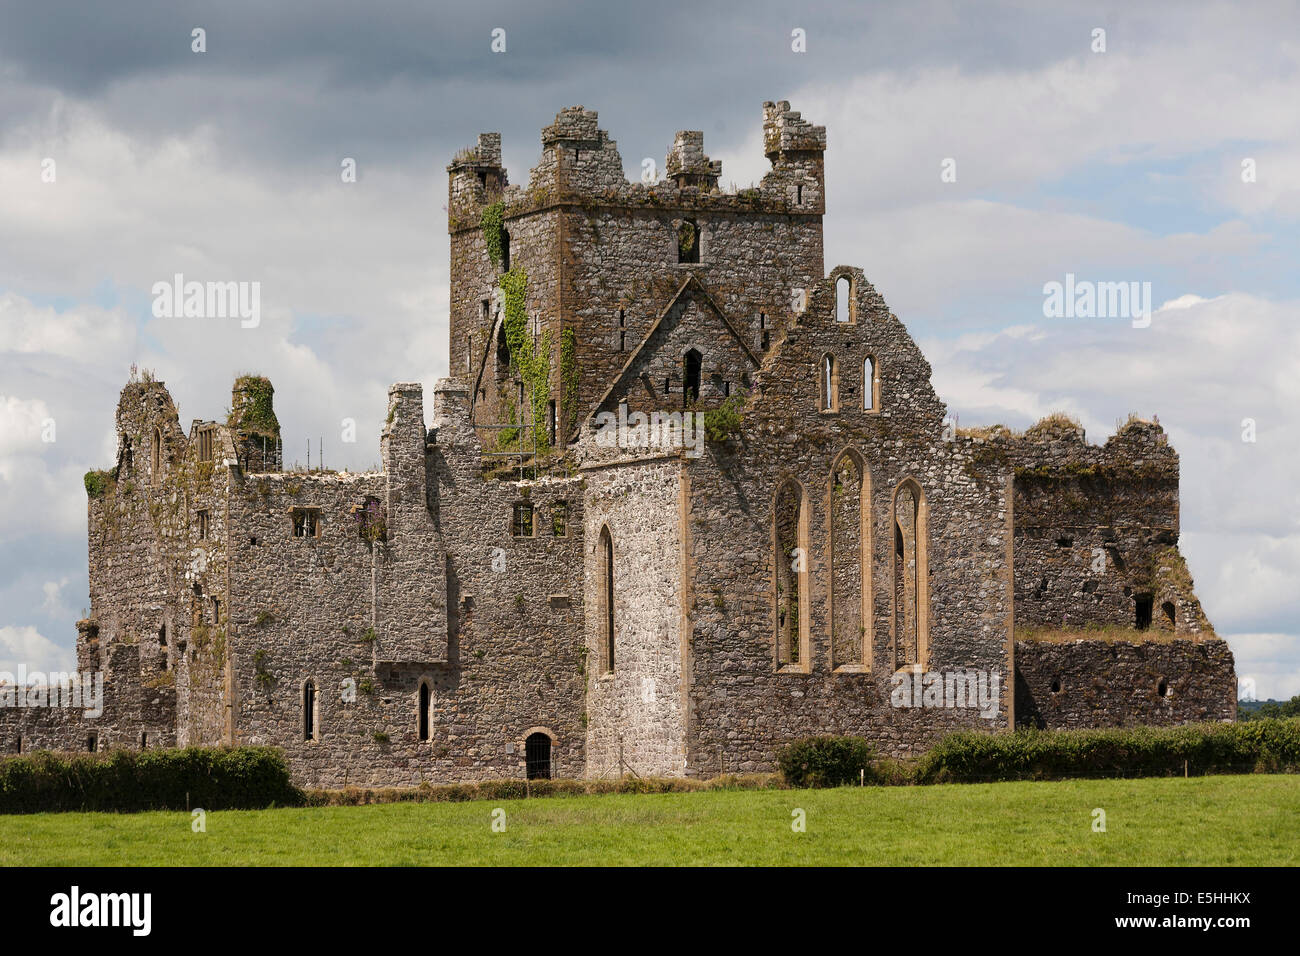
[306, 522]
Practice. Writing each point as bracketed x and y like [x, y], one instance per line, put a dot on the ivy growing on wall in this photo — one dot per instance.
[257, 415]
[492, 223]
[569, 376]
[531, 360]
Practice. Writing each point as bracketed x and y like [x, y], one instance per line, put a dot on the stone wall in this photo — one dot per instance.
[135, 715]
[745, 699]
[1097, 529]
[636, 710]
[1094, 683]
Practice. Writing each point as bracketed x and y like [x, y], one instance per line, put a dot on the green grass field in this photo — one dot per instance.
[1240, 820]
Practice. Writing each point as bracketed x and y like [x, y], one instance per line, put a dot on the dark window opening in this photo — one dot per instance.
[537, 756]
[1142, 611]
[622, 341]
[503, 349]
[424, 712]
[607, 597]
[309, 711]
[1065, 542]
[1163, 688]
[692, 363]
[1056, 685]
[688, 242]
[550, 421]
[485, 309]
[92, 743]
[144, 740]
[1168, 609]
[202, 522]
[798, 195]
[469, 354]
[162, 635]
[521, 524]
[505, 250]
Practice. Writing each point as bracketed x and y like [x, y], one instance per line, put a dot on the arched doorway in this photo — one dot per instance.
[537, 756]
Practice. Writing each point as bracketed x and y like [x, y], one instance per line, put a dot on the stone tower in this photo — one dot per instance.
[606, 269]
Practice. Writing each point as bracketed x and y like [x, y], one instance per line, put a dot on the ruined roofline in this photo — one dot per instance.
[1056, 446]
[581, 165]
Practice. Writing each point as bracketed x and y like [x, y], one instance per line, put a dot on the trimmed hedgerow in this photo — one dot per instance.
[240, 778]
[826, 761]
[1260, 746]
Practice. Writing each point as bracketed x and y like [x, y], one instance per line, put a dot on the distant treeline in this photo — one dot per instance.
[1256, 709]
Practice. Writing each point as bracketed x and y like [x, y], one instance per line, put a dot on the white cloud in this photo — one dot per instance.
[27, 647]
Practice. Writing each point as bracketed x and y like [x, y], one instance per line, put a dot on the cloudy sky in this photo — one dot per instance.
[1173, 157]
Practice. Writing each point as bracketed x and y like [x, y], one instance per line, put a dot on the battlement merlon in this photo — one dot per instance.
[475, 173]
[785, 131]
[687, 165]
[581, 165]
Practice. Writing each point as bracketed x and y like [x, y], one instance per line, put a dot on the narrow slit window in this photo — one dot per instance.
[829, 379]
[605, 570]
[869, 384]
[309, 716]
[425, 695]
[843, 300]
[692, 364]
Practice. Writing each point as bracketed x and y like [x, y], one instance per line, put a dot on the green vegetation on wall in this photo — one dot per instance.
[531, 360]
[569, 376]
[97, 482]
[493, 224]
[256, 416]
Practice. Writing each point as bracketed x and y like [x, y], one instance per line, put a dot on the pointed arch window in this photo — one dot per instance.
[692, 364]
[870, 386]
[850, 563]
[790, 560]
[843, 300]
[828, 383]
[910, 577]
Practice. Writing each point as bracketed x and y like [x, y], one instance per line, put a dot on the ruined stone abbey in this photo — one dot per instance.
[685, 496]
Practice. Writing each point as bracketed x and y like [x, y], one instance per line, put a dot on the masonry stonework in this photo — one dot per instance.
[684, 497]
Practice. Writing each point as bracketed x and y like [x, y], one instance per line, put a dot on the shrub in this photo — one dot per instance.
[97, 482]
[723, 423]
[1257, 746]
[241, 778]
[825, 761]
